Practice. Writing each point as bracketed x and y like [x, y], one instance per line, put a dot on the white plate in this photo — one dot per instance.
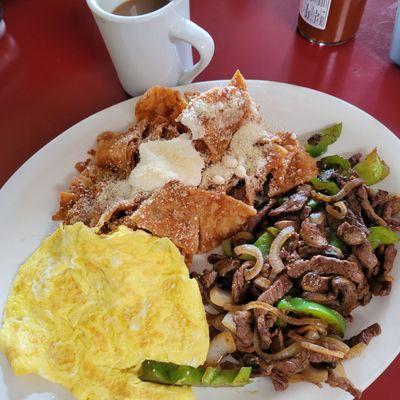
[30, 197]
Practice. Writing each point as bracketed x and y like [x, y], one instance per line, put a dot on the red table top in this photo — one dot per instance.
[55, 71]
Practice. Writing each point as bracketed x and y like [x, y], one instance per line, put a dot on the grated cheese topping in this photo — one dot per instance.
[205, 111]
[244, 157]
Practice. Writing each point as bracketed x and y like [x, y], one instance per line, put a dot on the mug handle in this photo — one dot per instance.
[201, 40]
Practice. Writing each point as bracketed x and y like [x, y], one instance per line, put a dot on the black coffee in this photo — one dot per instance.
[138, 7]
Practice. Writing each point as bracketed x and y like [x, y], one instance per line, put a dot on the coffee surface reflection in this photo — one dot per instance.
[138, 7]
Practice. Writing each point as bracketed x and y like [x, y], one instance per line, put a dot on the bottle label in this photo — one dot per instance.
[315, 12]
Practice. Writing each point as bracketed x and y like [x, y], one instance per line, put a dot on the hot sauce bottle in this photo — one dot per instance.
[330, 22]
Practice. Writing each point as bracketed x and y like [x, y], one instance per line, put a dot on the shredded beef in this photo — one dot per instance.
[390, 255]
[376, 198]
[277, 290]
[263, 324]
[294, 203]
[313, 234]
[254, 221]
[318, 358]
[390, 213]
[244, 327]
[278, 342]
[353, 205]
[205, 281]
[279, 380]
[326, 265]
[366, 256]
[262, 283]
[293, 256]
[215, 321]
[306, 251]
[351, 234]
[381, 287]
[312, 282]
[305, 212]
[226, 265]
[327, 299]
[282, 224]
[324, 365]
[356, 220]
[364, 294]
[292, 243]
[209, 278]
[346, 293]
[239, 285]
[365, 336]
[344, 384]
[367, 207]
[293, 365]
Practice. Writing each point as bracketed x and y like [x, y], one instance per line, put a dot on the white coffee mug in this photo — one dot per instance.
[155, 48]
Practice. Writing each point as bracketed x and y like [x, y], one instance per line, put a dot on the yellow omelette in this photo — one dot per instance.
[85, 310]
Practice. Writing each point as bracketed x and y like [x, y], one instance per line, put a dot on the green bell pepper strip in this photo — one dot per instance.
[301, 306]
[334, 240]
[335, 162]
[313, 204]
[331, 187]
[173, 374]
[381, 235]
[263, 243]
[372, 169]
[227, 247]
[318, 146]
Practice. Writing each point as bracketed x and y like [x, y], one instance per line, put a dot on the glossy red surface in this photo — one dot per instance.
[55, 71]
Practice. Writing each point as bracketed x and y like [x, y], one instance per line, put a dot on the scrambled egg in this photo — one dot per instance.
[85, 310]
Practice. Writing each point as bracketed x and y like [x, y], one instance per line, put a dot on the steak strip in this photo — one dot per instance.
[344, 384]
[328, 266]
[313, 234]
[293, 365]
[365, 336]
[312, 282]
[276, 291]
[244, 327]
[294, 203]
[254, 221]
[366, 256]
[366, 206]
[351, 234]
[390, 255]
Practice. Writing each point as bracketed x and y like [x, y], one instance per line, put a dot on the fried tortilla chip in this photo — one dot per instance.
[195, 220]
[295, 167]
[115, 150]
[215, 115]
[238, 81]
[160, 104]
[171, 212]
[220, 216]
